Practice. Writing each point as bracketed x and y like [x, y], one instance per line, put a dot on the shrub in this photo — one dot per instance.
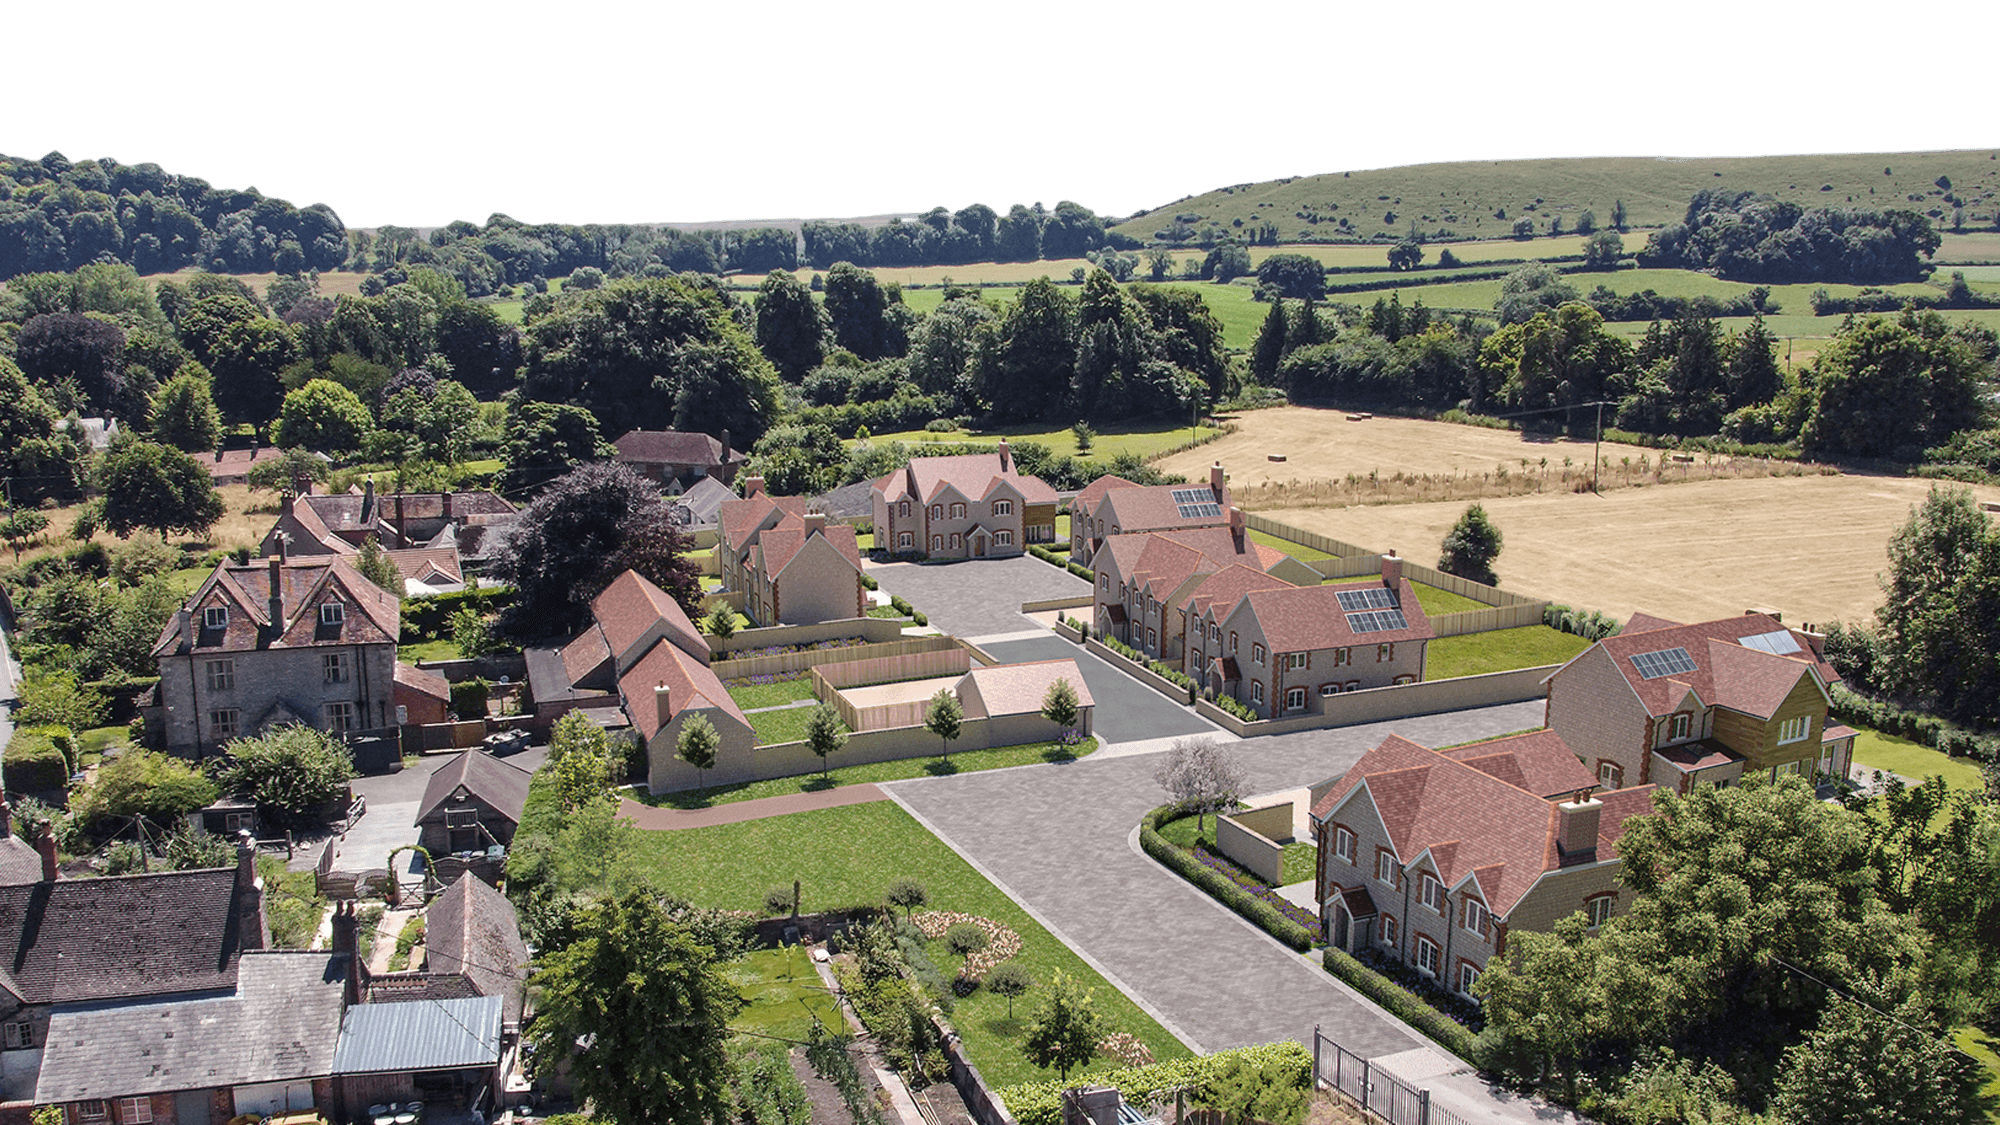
[34, 763]
[1218, 886]
[1403, 1004]
[778, 900]
[1040, 1103]
[468, 698]
[1237, 708]
[965, 938]
[292, 773]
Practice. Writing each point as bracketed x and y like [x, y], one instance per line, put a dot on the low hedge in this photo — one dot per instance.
[1942, 735]
[1403, 1004]
[1237, 708]
[34, 761]
[1040, 1103]
[1253, 909]
[468, 698]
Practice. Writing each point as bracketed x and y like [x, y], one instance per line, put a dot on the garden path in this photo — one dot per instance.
[736, 812]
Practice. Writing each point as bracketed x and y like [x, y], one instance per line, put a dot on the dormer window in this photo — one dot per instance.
[1678, 728]
[332, 613]
[215, 617]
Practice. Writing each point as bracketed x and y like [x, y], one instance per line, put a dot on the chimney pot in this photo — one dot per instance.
[1392, 571]
[815, 523]
[1576, 830]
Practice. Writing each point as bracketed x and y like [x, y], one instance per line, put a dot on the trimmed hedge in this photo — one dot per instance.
[1403, 1004]
[1943, 735]
[1040, 1103]
[1237, 708]
[1253, 909]
[34, 763]
[1055, 559]
[468, 698]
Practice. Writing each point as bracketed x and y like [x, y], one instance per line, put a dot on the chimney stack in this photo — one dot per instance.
[1237, 526]
[346, 928]
[725, 447]
[249, 894]
[1392, 571]
[1576, 830]
[1215, 479]
[368, 503]
[46, 844]
[663, 703]
[753, 486]
[277, 594]
[278, 541]
[184, 625]
[815, 523]
[1006, 456]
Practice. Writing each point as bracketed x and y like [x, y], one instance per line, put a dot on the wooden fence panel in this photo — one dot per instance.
[1302, 537]
[1487, 620]
[890, 669]
[742, 667]
[1355, 561]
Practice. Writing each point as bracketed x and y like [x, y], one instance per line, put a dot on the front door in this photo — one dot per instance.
[979, 546]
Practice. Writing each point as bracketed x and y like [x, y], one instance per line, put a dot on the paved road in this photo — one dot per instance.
[1127, 710]
[1062, 841]
[979, 597]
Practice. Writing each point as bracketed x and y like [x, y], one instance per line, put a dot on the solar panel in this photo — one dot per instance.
[1374, 597]
[1196, 503]
[1777, 643]
[1666, 662]
[1377, 621]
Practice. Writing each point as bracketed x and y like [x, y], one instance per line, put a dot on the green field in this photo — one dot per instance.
[1891, 753]
[849, 856]
[1144, 438]
[1474, 654]
[1464, 196]
[961, 761]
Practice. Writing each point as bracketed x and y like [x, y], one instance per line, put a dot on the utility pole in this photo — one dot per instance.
[1595, 460]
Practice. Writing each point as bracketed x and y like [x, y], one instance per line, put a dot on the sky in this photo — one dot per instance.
[419, 113]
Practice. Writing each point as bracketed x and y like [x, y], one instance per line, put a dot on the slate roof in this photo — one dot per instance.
[1473, 824]
[1304, 618]
[472, 929]
[119, 937]
[1017, 689]
[422, 681]
[280, 1023]
[501, 785]
[1726, 673]
[371, 615]
[703, 500]
[419, 1035]
[1538, 761]
[674, 447]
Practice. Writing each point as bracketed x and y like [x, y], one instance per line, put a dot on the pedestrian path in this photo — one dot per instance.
[737, 812]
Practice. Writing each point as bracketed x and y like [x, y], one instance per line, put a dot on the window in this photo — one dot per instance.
[1256, 691]
[1610, 775]
[1789, 769]
[1468, 975]
[1295, 660]
[1792, 730]
[1343, 843]
[1295, 699]
[905, 539]
[1104, 582]
[335, 666]
[20, 1035]
[1385, 867]
[1003, 538]
[906, 509]
[1003, 507]
[1431, 893]
[1677, 729]
[1343, 656]
[135, 1111]
[339, 717]
[937, 511]
[224, 724]
[1598, 910]
[955, 541]
[1385, 653]
[1476, 917]
[1232, 642]
[221, 675]
[1389, 930]
[958, 511]
[1353, 685]
[1215, 633]
[937, 542]
[92, 1111]
[332, 613]
[1404, 679]
[1257, 655]
[1329, 689]
[1152, 639]
[1427, 956]
[214, 617]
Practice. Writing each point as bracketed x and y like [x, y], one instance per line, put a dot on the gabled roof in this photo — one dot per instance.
[428, 564]
[500, 785]
[1469, 822]
[371, 615]
[422, 681]
[704, 500]
[741, 520]
[472, 929]
[121, 937]
[280, 1023]
[1091, 493]
[974, 475]
[1222, 545]
[1223, 589]
[584, 655]
[781, 544]
[674, 447]
[632, 607]
[1303, 618]
[1018, 689]
[1153, 508]
[1725, 672]
[1641, 622]
[1538, 761]
[689, 683]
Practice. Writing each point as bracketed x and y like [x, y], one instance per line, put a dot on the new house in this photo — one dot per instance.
[1112, 505]
[676, 460]
[1435, 858]
[1144, 580]
[969, 506]
[792, 566]
[1285, 651]
[1678, 705]
[279, 641]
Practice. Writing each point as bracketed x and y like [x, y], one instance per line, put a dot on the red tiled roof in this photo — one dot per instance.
[1091, 493]
[974, 476]
[689, 683]
[1538, 761]
[1303, 618]
[1691, 756]
[585, 654]
[1221, 590]
[1836, 731]
[1641, 622]
[673, 447]
[1017, 689]
[374, 615]
[237, 462]
[1726, 672]
[1152, 508]
[422, 681]
[741, 520]
[631, 606]
[418, 564]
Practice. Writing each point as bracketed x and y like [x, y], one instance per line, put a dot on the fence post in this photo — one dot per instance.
[1423, 1107]
[1366, 1086]
[1316, 1056]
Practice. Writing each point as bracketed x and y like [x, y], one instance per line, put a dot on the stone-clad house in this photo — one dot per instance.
[1145, 580]
[1435, 858]
[793, 567]
[1283, 651]
[969, 506]
[1678, 705]
[1112, 505]
[277, 641]
[677, 460]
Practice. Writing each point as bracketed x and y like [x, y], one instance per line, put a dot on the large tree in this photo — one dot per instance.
[293, 772]
[1293, 275]
[183, 412]
[325, 417]
[1893, 387]
[640, 1010]
[84, 354]
[1470, 547]
[158, 487]
[41, 460]
[858, 310]
[584, 530]
[652, 353]
[791, 327]
[1065, 1029]
[545, 440]
[1940, 616]
[1025, 367]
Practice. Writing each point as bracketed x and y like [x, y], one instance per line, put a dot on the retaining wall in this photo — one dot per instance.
[1374, 705]
[1251, 839]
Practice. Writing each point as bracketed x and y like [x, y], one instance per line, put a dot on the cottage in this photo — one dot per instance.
[1145, 580]
[677, 460]
[472, 803]
[791, 565]
[456, 531]
[969, 506]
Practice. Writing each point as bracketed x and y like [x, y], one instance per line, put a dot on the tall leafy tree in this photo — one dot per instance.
[1940, 615]
[183, 411]
[1471, 546]
[1201, 776]
[154, 486]
[640, 1010]
[1025, 369]
[323, 416]
[791, 327]
[1293, 275]
[1269, 348]
[1019, 235]
[83, 353]
[1892, 387]
[1862, 1066]
[857, 308]
[41, 460]
[546, 440]
[1754, 376]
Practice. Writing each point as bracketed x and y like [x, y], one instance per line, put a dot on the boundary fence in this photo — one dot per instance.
[1377, 1093]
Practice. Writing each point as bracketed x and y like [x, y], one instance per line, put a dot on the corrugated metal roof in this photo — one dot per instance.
[419, 1035]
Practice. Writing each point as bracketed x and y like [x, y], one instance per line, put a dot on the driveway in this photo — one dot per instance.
[1127, 710]
[391, 819]
[978, 597]
[1062, 840]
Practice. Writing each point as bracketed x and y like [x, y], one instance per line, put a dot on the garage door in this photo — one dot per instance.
[267, 1098]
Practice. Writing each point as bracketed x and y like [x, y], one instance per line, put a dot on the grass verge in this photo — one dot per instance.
[1894, 754]
[849, 856]
[1473, 654]
[965, 761]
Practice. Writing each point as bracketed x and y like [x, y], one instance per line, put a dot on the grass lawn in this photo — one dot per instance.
[1299, 859]
[774, 727]
[1893, 754]
[749, 696]
[886, 612]
[1144, 438]
[427, 650]
[1436, 601]
[92, 743]
[784, 993]
[1471, 654]
[849, 856]
[1298, 551]
[1980, 1046]
[964, 761]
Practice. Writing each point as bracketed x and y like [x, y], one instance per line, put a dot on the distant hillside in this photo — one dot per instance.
[1467, 198]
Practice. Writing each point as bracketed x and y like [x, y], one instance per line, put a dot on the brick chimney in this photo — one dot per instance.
[1576, 829]
[277, 595]
[663, 703]
[1215, 479]
[347, 940]
[184, 626]
[249, 896]
[753, 486]
[46, 844]
[368, 502]
[725, 446]
[1006, 456]
[815, 523]
[1237, 526]
[1392, 571]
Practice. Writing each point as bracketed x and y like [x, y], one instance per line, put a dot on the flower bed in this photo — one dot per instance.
[1001, 941]
[1223, 887]
[1228, 869]
[784, 650]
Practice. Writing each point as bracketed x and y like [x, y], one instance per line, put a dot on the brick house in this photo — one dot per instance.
[280, 641]
[676, 460]
[970, 506]
[1675, 705]
[1112, 505]
[793, 567]
[1435, 858]
[471, 803]
[1144, 580]
[1283, 651]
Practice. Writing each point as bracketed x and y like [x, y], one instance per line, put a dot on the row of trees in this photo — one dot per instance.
[507, 252]
[975, 234]
[1749, 236]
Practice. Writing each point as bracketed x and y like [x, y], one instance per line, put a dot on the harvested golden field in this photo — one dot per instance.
[1810, 547]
